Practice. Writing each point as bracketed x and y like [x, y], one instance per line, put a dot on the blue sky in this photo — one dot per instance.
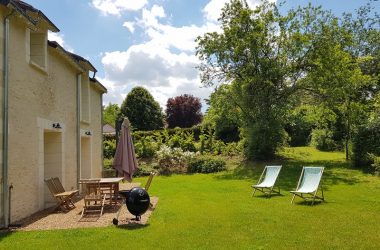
[146, 43]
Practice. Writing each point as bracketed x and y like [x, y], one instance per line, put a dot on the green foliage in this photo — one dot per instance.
[232, 148]
[109, 148]
[108, 163]
[366, 143]
[220, 204]
[183, 140]
[268, 57]
[223, 115]
[145, 147]
[164, 134]
[142, 110]
[145, 168]
[263, 54]
[263, 139]
[299, 127]
[323, 140]
[206, 166]
[110, 113]
[173, 160]
[375, 166]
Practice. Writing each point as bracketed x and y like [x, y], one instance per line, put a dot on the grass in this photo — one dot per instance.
[216, 211]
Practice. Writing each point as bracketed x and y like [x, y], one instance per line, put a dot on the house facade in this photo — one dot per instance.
[51, 105]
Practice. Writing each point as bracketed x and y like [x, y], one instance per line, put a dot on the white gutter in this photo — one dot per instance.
[5, 202]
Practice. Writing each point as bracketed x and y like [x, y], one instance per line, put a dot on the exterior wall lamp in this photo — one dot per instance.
[87, 133]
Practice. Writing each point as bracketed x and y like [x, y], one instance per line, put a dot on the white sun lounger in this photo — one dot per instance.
[309, 184]
[266, 186]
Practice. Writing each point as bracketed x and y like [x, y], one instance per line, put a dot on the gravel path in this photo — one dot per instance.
[50, 220]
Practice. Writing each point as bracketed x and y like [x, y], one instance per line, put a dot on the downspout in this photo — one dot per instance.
[79, 80]
[101, 132]
[6, 202]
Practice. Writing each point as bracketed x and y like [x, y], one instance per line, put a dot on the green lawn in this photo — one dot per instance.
[216, 211]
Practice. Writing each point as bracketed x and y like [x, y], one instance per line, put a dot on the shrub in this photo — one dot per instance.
[144, 169]
[108, 163]
[323, 140]
[182, 140]
[145, 147]
[109, 148]
[206, 166]
[227, 133]
[299, 127]
[173, 160]
[366, 142]
[263, 139]
[166, 133]
[375, 166]
[232, 148]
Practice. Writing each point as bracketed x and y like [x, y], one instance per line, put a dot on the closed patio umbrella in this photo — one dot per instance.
[125, 162]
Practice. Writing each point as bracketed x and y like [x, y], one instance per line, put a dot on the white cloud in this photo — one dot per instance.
[59, 38]
[213, 9]
[167, 36]
[150, 17]
[130, 26]
[115, 7]
[165, 64]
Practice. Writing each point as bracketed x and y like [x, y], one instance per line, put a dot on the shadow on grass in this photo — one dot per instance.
[336, 172]
[5, 233]
[308, 203]
[264, 196]
[132, 226]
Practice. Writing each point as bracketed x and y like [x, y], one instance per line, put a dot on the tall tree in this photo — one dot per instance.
[223, 115]
[345, 68]
[142, 110]
[183, 111]
[110, 113]
[263, 55]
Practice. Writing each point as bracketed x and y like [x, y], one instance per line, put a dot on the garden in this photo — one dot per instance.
[294, 89]
[216, 211]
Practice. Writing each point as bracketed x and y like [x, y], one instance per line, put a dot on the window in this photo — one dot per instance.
[38, 44]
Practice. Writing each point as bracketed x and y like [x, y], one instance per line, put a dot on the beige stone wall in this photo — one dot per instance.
[96, 128]
[2, 11]
[91, 122]
[39, 97]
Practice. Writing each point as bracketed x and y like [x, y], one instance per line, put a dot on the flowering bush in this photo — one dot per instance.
[206, 166]
[173, 160]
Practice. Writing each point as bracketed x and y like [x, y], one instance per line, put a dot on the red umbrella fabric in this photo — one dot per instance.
[125, 162]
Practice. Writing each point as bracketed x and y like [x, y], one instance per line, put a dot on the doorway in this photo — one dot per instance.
[85, 166]
[53, 162]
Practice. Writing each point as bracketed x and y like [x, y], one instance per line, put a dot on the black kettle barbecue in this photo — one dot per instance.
[137, 201]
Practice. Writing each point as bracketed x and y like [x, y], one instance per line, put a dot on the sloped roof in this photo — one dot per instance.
[75, 59]
[108, 129]
[29, 12]
[65, 53]
[98, 85]
[85, 61]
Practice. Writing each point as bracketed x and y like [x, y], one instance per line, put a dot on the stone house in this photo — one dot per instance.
[51, 113]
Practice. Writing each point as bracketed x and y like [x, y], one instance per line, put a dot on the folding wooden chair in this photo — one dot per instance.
[266, 185]
[309, 184]
[149, 181]
[62, 197]
[93, 198]
[147, 184]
